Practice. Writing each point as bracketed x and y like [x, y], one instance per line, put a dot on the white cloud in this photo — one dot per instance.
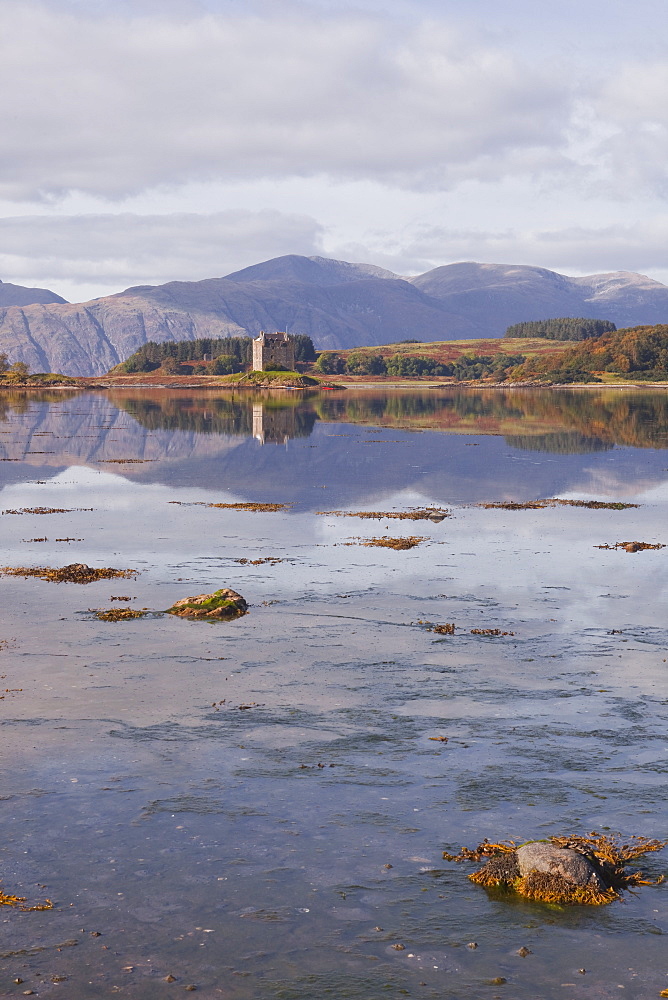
[571, 249]
[408, 133]
[634, 156]
[110, 252]
[117, 103]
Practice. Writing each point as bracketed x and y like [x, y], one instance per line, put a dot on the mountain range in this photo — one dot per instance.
[338, 304]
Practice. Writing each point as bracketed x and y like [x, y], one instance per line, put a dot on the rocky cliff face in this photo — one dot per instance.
[338, 304]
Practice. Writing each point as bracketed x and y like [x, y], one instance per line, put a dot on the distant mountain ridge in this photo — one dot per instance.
[337, 303]
[19, 295]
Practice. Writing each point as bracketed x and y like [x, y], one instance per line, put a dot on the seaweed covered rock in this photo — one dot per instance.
[568, 871]
[222, 605]
[569, 864]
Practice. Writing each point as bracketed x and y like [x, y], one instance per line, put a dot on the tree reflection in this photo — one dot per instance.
[547, 420]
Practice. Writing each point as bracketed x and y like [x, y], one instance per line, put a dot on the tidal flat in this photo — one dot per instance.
[258, 808]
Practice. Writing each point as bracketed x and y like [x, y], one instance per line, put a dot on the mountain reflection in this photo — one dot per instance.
[561, 422]
[450, 446]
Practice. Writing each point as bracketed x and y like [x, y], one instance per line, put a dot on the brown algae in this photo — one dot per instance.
[74, 573]
[385, 542]
[607, 856]
[19, 902]
[261, 508]
[118, 614]
[48, 510]
[489, 631]
[426, 514]
[632, 546]
[267, 560]
[553, 501]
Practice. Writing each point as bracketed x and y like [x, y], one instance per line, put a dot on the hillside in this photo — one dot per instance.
[339, 304]
[19, 295]
[637, 354]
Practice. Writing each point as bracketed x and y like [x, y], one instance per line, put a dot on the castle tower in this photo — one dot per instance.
[274, 347]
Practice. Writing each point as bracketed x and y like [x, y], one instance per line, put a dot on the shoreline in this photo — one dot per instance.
[102, 383]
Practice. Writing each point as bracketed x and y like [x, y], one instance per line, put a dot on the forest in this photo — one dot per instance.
[221, 356]
[562, 328]
[474, 366]
[639, 353]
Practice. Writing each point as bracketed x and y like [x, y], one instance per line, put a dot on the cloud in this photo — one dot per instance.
[114, 251]
[571, 250]
[113, 104]
[633, 157]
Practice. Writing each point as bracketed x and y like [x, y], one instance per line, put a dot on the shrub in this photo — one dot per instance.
[330, 363]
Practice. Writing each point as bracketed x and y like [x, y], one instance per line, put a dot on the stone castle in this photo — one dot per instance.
[273, 347]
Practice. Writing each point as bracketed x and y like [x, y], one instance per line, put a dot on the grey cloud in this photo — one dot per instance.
[114, 104]
[114, 251]
[639, 247]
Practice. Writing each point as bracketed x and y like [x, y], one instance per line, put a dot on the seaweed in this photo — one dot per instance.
[553, 501]
[74, 573]
[385, 542]
[118, 614]
[632, 546]
[594, 504]
[7, 899]
[271, 560]
[47, 510]
[608, 853]
[263, 508]
[489, 631]
[423, 514]
[514, 505]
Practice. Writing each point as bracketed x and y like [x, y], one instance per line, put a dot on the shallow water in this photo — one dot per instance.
[206, 842]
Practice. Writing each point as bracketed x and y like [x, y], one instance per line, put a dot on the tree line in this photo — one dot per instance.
[639, 353]
[562, 328]
[223, 355]
[412, 366]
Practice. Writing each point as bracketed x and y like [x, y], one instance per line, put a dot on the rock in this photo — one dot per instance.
[569, 864]
[221, 605]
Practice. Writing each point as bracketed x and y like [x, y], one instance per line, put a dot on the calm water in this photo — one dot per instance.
[208, 843]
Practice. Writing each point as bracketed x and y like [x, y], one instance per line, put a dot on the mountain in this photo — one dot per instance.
[494, 296]
[18, 295]
[338, 304]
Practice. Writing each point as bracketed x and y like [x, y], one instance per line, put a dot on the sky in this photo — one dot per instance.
[145, 141]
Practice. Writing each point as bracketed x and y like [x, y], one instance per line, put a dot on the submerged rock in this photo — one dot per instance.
[223, 604]
[570, 865]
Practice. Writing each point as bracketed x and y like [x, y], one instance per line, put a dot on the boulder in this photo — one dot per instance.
[572, 866]
[221, 605]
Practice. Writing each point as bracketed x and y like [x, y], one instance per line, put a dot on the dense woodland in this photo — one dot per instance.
[222, 356]
[639, 353]
[412, 365]
[563, 328]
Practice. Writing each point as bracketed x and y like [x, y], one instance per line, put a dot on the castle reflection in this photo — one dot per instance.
[272, 426]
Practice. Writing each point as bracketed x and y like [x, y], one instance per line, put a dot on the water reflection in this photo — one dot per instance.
[562, 422]
[557, 421]
[282, 852]
[455, 445]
